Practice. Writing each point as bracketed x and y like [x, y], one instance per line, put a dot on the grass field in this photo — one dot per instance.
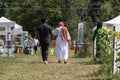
[30, 67]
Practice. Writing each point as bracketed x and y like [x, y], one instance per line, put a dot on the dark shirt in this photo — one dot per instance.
[44, 32]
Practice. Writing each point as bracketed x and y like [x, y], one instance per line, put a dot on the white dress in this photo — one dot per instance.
[61, 46]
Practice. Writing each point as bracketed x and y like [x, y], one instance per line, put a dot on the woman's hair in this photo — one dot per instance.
[64, 31]
[99, 25]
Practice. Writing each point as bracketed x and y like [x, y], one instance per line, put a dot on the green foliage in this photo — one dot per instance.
[118, 58]
[105, 70]
[106, 73]
[105, 48]
[28, 12]
[106, 12]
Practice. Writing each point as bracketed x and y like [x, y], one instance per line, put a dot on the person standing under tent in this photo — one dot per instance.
[62, 40]
[1, 42]
[28, 45]
[35, 44]
[44, 32]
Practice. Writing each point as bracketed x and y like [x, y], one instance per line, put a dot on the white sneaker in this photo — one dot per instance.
[45, 62]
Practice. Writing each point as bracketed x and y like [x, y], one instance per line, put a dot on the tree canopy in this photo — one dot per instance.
[29, 12]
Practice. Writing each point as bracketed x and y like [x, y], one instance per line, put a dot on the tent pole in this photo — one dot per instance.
[114, 69]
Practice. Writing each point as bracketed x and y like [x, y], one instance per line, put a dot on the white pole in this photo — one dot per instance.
[94, 48]
[115, 54]
[94, 44]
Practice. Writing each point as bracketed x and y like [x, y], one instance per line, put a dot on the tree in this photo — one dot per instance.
[29, 12]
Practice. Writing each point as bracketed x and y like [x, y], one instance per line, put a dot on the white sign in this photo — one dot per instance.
[80, 33]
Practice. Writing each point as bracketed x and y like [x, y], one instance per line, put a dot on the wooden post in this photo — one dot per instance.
[76, 45]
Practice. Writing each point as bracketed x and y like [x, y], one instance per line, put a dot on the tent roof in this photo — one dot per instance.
[114, 21]
[4, 21]
[17, 29]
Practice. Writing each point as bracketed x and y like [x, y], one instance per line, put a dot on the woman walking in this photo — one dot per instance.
[63, 37]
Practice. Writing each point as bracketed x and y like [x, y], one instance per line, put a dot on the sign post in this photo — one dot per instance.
[79, 42]
[80, 33]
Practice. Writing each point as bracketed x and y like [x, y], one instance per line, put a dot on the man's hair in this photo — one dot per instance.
[43, 20]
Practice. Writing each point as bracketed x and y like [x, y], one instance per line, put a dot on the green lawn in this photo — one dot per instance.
[30, 67]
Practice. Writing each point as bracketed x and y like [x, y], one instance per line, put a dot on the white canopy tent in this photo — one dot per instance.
[6, 26]
[17, 29]
[113, 22]
[4, 22]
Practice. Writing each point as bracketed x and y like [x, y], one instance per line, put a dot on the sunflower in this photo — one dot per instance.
[111, 33]
[100, 31]
[118, 35]
[105, 30]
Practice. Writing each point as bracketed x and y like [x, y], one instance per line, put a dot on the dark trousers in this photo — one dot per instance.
[44, 50]
[35, 48]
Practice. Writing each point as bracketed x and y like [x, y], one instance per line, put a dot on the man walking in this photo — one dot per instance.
[44, 32]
